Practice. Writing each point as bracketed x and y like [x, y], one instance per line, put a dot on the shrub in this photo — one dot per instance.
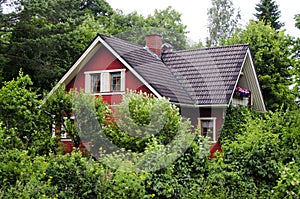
[140, 117]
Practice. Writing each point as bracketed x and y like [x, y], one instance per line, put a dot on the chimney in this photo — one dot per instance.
[154, 43]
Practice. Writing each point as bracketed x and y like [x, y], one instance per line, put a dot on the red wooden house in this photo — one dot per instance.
[201, 82]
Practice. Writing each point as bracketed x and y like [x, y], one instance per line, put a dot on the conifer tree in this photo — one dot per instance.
[268, 12]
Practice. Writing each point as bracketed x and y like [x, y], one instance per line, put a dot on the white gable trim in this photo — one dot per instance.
[237, 80]
[248, 56]
[67, 78]
[71, 73]
[130, 68]
[256, 80]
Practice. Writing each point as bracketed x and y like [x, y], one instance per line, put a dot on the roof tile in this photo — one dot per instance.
[200, 76]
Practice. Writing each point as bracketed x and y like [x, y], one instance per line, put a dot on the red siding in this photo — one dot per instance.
[104, 60]
[69, 147]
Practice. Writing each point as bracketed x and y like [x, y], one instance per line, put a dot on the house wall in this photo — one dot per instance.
[194, 113]
[105, 60]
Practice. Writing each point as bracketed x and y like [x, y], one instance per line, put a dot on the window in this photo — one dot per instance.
[96, 82]
[105, 82]
[61, 129]
[115, 83]
[208, 128]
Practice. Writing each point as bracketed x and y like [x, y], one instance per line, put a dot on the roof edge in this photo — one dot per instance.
[135, 73]
[201, 106]
[72, 69]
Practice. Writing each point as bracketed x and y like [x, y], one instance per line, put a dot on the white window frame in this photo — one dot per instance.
[214, 120]
[105, 82]
[64, 136]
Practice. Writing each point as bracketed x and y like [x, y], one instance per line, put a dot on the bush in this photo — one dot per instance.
[140, 117]
[288, 184]
[75, 177]
[26, 125]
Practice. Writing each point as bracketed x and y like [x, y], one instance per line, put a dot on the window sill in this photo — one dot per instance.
[110, 93]
[65, 139]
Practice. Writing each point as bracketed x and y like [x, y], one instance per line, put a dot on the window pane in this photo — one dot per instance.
[96, 83]
[207, 128]
[116, 81]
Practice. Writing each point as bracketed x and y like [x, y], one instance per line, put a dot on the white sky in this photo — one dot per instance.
[194, 13]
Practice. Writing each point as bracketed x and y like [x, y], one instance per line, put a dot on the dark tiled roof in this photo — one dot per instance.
[151, 69]
[208, 74]
[204, 76]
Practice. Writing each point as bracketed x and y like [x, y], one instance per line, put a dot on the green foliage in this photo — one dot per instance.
[235, 122]
[59, 107]
[127, 184]
[21, 119]
[266, 143]
[21, 175]
[222, 21]
[57, 176]
[134, 27]
[92, 116]
[168, 170]
[267, 11]
[140, 117]
[45, 37]
[259, 159]
[288, 183]
[223, 182]
[272, 57]
[297, 18]
[74, 176]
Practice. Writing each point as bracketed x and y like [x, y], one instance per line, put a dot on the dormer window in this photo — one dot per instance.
[105, 81]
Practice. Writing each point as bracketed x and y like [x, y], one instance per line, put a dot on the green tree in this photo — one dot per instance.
[297, 18]
[267, 11]
[26, 125]
[134, 27]
[272, 56]
[222, 21]
[45, 37]
[296, 56]
[172, 29]
[266, 145]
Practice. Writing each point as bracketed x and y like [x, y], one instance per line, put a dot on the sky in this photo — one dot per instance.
[194, 12]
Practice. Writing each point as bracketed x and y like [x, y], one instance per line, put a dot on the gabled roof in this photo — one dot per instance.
[208, 74]
[150, 68]
[200, 77]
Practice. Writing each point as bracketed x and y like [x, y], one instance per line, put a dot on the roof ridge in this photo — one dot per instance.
[207, 48]
[120, 39]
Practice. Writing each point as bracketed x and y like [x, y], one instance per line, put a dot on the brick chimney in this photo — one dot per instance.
[154, 43]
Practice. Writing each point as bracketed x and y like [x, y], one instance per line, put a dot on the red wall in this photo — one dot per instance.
[104, 60]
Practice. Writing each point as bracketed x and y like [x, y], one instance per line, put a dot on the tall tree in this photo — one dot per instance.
[26, 125]
[134, 27]
[267, 11]
[296, 50]
[273, 60]
[45, 37]
[222, 21]
[172, 28]
[297, 18]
